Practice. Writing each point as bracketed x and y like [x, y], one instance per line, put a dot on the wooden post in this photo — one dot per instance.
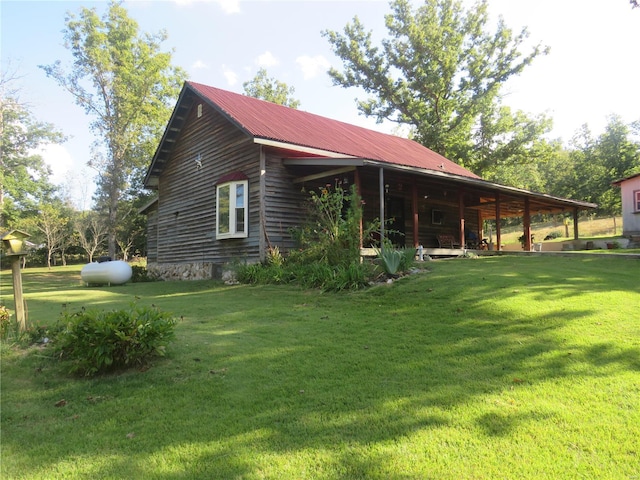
[356, 181]
[381, 192]
[414, 211]
[498, 214]
[463, 240]
[575, 224]
[527, 225]
[18, 300]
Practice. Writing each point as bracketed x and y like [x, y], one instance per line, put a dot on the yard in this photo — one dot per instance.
[496, 367]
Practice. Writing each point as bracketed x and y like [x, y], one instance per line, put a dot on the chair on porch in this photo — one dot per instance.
[447, 241]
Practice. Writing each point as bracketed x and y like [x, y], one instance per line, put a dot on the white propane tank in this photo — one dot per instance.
[112, 273]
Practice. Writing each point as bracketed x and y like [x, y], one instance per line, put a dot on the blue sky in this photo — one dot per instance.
[591, 72]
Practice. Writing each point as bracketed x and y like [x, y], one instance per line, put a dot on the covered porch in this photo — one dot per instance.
[423, 207]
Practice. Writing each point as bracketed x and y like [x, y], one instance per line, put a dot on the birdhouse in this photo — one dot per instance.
[13, 242]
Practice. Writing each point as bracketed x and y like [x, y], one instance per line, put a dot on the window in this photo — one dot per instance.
[231, 210]
[636, 200]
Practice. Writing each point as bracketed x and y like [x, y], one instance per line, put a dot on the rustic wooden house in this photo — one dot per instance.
[232, 174]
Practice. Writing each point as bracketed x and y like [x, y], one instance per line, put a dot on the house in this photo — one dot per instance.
[630, 191]
[232, 174]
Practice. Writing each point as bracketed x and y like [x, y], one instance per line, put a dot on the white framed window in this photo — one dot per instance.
[232, 212]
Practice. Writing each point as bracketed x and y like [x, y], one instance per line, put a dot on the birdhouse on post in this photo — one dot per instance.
[13, 245]
[13, 242]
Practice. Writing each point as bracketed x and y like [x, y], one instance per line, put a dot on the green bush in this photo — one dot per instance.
[95, 341]
[5, 322]
[140, 274]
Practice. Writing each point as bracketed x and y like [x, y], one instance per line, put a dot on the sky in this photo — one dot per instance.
[592, 70]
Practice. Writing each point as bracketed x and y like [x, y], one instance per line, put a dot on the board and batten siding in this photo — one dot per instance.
[207, 148]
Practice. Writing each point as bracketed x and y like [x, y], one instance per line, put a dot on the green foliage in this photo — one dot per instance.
[94, 341]
[24, 176]
[127, 84]
[271, 90]
[440, 71]
[5, 322]
[396, 261]
[329, 253]
[140, 274]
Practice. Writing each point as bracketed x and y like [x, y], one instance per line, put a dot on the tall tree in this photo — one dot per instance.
[127, 84]
[439, 70]
[24, 176]
[92, 232]
[270, 89]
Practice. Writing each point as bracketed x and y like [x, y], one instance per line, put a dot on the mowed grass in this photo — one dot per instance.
[496, 367]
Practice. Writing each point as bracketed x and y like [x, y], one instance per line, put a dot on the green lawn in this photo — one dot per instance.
[486, 368]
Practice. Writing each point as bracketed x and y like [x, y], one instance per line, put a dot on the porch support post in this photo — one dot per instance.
[527, 225]
[414, 212]
[461, 215]
[356, 181]
[575, 224]
[480, 231]
[381, 177]
[498, 229]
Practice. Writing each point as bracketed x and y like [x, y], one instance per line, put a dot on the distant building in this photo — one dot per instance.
[630, 191]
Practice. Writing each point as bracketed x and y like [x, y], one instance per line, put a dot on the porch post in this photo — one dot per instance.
[381, 176]
[575, 224]
[480, 231]
[414, 211]
[356, 180]
[461, 215]
[527, 225]
[498, 229]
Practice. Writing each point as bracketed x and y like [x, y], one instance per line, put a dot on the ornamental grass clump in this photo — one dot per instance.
[93, 342]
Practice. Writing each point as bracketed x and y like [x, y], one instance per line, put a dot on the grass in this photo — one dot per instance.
[589, 228]
[496, 367]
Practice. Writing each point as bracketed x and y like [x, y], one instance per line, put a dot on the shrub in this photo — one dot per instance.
[396, 261]
[5, 322]
[140, 274]
[99, 341]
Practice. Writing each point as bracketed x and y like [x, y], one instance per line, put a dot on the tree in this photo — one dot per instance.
[127, 84]
[52, 223]
[24, 176]
[92, 232]
[271, 90]
[439, 70]
[132, 228]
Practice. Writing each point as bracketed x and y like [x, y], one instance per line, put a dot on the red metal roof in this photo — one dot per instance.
[270, 121]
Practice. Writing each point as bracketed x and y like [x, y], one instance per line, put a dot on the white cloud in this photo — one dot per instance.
[59, 159]
[199, 65]
[312, 66]
[230, 75]
[267, 60]
[227, 6]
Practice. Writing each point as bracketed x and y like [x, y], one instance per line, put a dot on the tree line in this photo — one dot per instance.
[439, 73]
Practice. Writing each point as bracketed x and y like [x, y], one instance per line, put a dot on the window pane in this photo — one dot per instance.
[223, 209]
[239, 220]
[240, 195]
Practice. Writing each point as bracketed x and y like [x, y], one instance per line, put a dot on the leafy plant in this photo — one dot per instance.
[95, 341]
[395, 261]
[5, 322]
[140, 274]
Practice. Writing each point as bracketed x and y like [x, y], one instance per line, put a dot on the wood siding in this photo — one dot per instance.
[283, 204]
[187, 192]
